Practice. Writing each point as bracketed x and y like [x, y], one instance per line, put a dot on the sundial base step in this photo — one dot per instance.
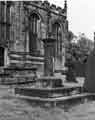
[62, 100]
[47, 92]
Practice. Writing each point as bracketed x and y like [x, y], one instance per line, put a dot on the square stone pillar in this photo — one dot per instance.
[49, 54]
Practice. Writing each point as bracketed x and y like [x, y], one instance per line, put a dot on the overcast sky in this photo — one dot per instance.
[81, 15]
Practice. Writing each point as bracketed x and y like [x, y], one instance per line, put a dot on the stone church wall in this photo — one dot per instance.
[18, 44]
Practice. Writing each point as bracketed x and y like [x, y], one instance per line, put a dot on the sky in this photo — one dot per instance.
[81, 16]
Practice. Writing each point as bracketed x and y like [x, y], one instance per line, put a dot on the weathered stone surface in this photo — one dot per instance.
[18, 16]
[20, 24]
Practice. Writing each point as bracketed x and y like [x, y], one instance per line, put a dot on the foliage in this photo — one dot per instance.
[79, 51]
[70, 36]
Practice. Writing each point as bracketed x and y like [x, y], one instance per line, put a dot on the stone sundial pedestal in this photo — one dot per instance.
[49, 80]
[47, 84]
[47, 88]
[49, 55]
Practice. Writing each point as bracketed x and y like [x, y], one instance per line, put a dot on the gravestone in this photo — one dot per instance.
[89, 84]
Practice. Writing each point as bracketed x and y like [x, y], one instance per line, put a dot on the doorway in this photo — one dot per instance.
[1, 56]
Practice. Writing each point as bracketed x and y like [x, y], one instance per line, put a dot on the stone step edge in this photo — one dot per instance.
[57, 99]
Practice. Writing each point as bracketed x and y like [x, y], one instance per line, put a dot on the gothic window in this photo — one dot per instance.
[58, 36]
[34, 20]
[4, 21]
[34, 33]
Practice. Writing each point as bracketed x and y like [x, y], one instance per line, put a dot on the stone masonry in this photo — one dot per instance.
[23, 49]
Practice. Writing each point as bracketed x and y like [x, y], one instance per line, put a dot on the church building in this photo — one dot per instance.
[24, 25]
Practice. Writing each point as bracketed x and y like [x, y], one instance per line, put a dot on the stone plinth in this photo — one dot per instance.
[50, 82]
[47, 93]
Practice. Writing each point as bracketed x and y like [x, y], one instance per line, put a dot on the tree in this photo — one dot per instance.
[85, 46]
[70, 36]
[81, 49]
[77, 52]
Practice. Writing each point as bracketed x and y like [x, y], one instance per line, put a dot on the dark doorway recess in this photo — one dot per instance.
[1, 56]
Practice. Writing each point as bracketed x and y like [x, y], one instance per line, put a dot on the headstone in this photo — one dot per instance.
[89, 84]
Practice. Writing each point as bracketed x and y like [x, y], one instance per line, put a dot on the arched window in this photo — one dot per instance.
[34, 33]
[58, 36]
[34, 22]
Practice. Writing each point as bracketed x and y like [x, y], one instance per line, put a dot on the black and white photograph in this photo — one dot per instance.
[47, 60]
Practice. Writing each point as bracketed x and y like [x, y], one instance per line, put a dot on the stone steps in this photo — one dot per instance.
[23, 57]
[47, 92]
[58, 99]
[27, 59]
[17, 74]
